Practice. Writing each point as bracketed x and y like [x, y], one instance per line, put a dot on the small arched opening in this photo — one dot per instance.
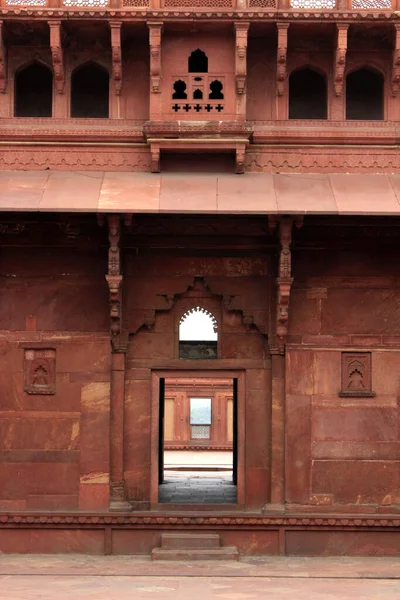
[90, 85]
[198, 62]
[364, 95]
[198, 334]
[33, 91]
[307, 95]
[179, 92]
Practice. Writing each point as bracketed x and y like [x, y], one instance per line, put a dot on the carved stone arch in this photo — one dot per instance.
[199, 308]
[200, 291]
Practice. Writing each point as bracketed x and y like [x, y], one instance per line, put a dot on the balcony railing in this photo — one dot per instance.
[185, 5]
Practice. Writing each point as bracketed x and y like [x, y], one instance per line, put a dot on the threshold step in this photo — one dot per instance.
[190, 541]
[224, 553]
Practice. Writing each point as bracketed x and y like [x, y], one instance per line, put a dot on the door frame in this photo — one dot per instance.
[156, 375]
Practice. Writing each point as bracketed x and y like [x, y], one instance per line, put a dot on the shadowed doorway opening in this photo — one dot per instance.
[198, 440]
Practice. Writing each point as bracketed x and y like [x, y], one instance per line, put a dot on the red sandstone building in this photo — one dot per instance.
[236, 157]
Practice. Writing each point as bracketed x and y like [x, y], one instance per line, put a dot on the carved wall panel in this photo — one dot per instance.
[356, 374]
[40, 371]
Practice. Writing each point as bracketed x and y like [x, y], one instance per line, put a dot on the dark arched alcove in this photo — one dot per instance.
[307, 95]
[364, 95]
[33, 91]
[90, 92]
[198, 62]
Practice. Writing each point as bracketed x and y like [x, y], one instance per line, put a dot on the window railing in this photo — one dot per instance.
[176, 5]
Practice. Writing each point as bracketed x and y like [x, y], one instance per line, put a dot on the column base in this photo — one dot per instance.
[120, 506]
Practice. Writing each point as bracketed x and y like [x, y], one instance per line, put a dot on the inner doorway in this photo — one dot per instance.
[197, 440]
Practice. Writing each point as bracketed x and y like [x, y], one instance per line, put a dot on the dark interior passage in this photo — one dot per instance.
[364, 96]
[90, 92]
[34, 91]
[307, 95]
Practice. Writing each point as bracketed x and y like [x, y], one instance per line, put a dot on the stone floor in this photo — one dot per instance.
[207, 487]
[121, 577]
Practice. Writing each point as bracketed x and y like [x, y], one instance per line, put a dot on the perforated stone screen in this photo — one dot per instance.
[197, 3]
[313, 4]
[372, 4]
[86, 3]
[200, 432]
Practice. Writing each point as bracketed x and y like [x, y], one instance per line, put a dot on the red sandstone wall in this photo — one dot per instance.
[149, 281]
[343, 452]
[54, 448]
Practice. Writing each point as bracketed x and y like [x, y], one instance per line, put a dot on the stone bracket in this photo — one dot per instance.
[241, 31]
[114, 276]
[281, 63]
[3, 61]
[57, 55]
[116, 55]
[396, 62]
[155, 33]
[284, 280]
[340, 58]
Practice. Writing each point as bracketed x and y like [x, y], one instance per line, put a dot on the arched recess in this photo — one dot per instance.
[364, 95]
[198, 62]
[198, 334]
[90, 90]
[33, 91]
[307, 95]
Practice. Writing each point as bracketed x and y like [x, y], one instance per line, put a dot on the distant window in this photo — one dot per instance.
[198, 62]
[307, 95]
[90, 92]
[364, 96]
[197, 95]
[34, 91]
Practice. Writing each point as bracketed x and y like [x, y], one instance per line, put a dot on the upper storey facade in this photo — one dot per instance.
[161, 81]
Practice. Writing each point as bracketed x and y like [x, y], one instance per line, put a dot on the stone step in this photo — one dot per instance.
[190, 541]
[223, 553]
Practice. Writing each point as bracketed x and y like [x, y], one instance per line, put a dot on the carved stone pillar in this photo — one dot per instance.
[118, 500]
[284, 283]
[57, 55]
[115, 28]
[281, 71]
[119, 347]
[155, 34]
[3, 61]
[241, 32]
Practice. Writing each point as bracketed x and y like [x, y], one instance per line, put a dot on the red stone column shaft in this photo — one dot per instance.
[278, 431]
[118, 501]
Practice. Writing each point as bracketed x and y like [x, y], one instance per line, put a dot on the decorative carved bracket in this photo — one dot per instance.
[116, 55]
[241, 30]
[284, 280]
[155, 32]
[57, 55]
[281, 64]
[3, 61]
[340, 58]
[396, 62]
[114, 277]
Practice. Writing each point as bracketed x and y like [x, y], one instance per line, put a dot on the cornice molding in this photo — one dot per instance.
[182, 15]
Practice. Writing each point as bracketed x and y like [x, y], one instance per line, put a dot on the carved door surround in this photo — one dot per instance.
[157, 376]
